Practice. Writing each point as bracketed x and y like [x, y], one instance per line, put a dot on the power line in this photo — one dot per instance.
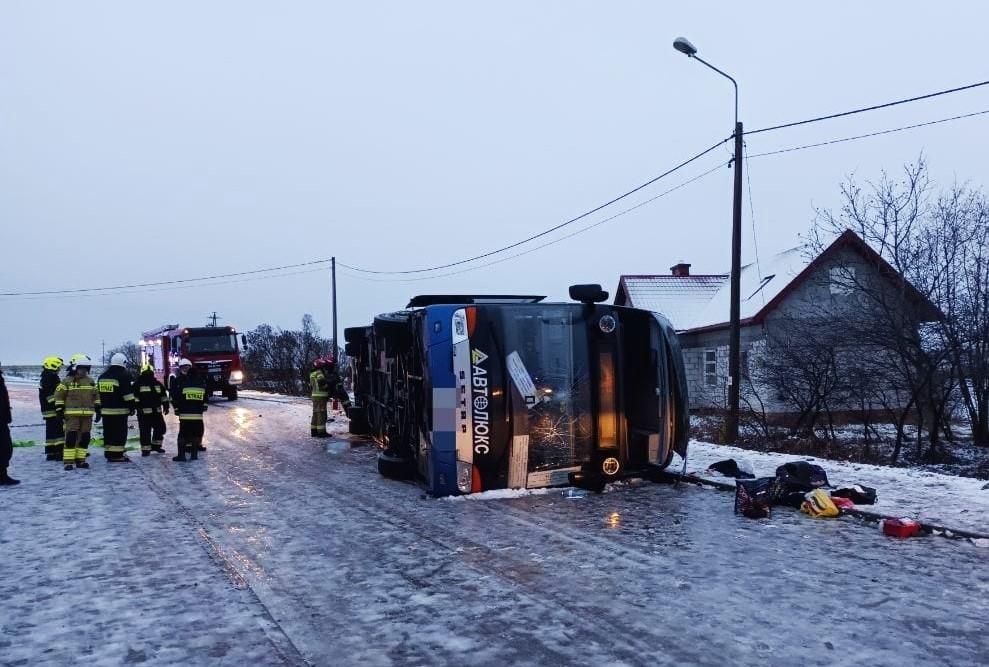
[546, 231]
[755, 241]
[166, 282]
[870, 134]
[872, 108]
[548, 243]
[95, 294]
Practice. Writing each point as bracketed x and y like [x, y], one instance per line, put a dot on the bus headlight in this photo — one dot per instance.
[236, 377]
[465, 474]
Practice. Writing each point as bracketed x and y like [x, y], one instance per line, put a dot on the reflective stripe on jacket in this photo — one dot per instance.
[77, 396]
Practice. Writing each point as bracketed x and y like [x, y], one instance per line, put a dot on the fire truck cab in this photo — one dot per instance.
[213, 351]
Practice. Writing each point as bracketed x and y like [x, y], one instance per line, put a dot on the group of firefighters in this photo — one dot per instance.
[70, 405]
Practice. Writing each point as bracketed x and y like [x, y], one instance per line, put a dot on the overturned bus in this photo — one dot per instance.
[469, 393]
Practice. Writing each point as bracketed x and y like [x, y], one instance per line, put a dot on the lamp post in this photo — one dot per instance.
[684, 46]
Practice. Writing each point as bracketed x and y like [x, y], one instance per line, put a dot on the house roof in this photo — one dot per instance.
[694, 303]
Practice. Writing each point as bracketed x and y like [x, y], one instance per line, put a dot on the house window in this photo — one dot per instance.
[842, 281]
[711, 368]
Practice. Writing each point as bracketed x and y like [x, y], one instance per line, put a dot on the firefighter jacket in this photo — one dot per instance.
[77, 396]
[150, 393]
[46, 392]
[189, 396]
[116, 391]
[327, 384]
[319, 383]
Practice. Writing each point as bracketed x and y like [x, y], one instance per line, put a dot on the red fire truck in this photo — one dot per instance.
[214, 351]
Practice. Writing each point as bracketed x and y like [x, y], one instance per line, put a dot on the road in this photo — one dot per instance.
[271, 550]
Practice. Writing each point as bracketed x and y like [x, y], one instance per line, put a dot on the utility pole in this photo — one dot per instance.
[103, 354]
[734, 328]
[213, 318]
[333, 280]
[684, 46]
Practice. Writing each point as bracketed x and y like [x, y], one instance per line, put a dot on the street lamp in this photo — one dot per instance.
[683, 45]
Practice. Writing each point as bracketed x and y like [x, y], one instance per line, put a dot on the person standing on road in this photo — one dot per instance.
[118, 403]
[6, 443]
[54, 431]
[189, 398]
[320, 392]
[335, 384]
[152, 402]
[77, 399]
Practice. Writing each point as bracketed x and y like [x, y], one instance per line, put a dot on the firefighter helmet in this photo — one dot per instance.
[81, 360]
[53, 363]
[118, 359]
[185, 362]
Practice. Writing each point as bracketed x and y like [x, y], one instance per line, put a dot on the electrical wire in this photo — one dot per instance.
[870, 134]
[872, 108]
[543, 245]
[755, 242]
[166, 282]
[89, 295]
[545, 231]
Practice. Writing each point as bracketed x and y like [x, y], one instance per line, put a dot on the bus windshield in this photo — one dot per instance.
[551, 343]
[226, 343]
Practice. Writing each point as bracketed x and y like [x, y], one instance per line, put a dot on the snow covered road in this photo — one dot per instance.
[271, 550]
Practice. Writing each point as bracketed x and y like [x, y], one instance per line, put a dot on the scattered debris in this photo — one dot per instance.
[733, 468]
[819, 505]
[901, 528]
[858, 494]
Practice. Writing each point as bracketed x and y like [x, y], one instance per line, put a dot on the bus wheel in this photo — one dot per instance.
[358, 422]
[231, 394]
[394, 467]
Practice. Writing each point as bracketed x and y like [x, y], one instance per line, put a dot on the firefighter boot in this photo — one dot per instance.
[7, 480]
[181, 455]
[194, 452]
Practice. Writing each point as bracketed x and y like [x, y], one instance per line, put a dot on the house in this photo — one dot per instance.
[790, 286]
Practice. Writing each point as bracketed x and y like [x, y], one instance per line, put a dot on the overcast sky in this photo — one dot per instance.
[142, 142]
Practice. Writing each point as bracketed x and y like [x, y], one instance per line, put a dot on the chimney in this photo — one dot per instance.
[680, 269]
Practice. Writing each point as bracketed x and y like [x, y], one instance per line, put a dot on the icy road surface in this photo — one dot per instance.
[272, 551]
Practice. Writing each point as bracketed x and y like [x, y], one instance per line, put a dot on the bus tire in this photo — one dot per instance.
[394, 467]
[359, 424]
[231, 394]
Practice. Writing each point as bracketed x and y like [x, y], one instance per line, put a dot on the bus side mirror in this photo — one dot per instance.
[588, 293]
[243, 341]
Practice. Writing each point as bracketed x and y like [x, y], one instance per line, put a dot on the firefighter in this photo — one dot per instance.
[189, 398]
[6, 443]
[319, 383]
[117, 402]
[152, 401]
[77, 400]
[54, 431]
[326, 384]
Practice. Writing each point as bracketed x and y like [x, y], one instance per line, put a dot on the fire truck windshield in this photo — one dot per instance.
[211, 344]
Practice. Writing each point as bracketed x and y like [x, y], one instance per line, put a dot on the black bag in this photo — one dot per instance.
[802, 476]
[754, 498]
[730, 468]
[858, 494]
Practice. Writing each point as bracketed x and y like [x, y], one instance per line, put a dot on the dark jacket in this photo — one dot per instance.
[116, 391]
[150, 394]
[5, 416]
[188, 395]
[46, 392]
